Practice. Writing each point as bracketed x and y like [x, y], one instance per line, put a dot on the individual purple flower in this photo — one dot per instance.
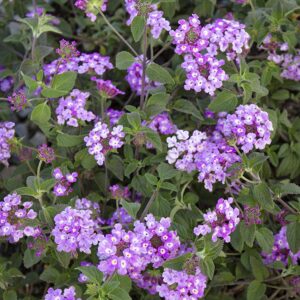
[120, 251]
[281, 250]
[46, 154]
[221, 222]
[64, 182]
[158, 241]
[179, 285]
[252, 215]
[75, 230]
[114, 115]
[211, 156]
[106, 89]
[134, 77]
[154, 17]
[58, 294]
[67, 50]
[90, 7]
[249, 127]
[72, 109]
[15, 218]
[6, 82]
[7, 133]
[101, 140]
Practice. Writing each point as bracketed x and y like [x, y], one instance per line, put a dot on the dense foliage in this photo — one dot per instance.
[149, 149]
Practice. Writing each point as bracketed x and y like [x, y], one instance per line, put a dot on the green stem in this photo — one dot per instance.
[142, 97]
[148, 205]
[116, 32]
[38, 172]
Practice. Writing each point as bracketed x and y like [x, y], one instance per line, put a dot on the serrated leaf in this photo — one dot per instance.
[157, 73]
[225, 101]
[131, 208]
[263, 196]
[265, 239]
[187, 107]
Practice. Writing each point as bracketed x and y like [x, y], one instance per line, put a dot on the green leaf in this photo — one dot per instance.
[134, 120]
[10, 295]
[92, 273]
[64, 258]
[262, 194]
[62, 84]
[293, 234]
[207, 267]
[87, 161]
[154, 138]
[151, 179]
[131, 208]
[157, 73]
[124, 60]
[265, 239]
[67, 140]
[213, 249]
[165, 171]
[259, 270]
[138, 27]
[187, 107]
[237, 239]
[30, 258]
[256, 290]
[130, 168]
[50, 275]
[26, 191]
[48, 184]
[41, 114]
[178, 262]
[248, 233]
[29, 82]
[115, 165]
[224, 101]
[287, 189]
[168, 186]
[118, 294]
[157, 103]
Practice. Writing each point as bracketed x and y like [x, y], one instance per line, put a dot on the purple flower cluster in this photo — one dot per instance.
[84, 63]
[248, 126]
[39, 11]
[114, 115]
[200, 47]
[106, 89]
[154, 17]
[221, 222]
[130, 252]
[118, 192]
[178, 285]
[7, 133]
[121, 216]
[149, 281]
[277, 52]
[6, 83]
[159, 242]
[72, 109]
[210, 156]
[17, 100]
[58, 294]
[101, 140]
[46, 154]
[75, 229]
[281, 250]
[134, 77]
[63, 185]
[91, 7]
[67, 50]
[252, 215]
[13, 217]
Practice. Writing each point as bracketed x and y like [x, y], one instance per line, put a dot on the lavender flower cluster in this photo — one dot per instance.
[76, 229]
[134, 77]
[278, 53]
[200, 152]
[154, 17]
[58, 294]
[7, 133]
[84, 63]
[249, 127]
[106, 88]
[221, 222]
[91, 7]
[14, 217]
[281, 250]
[102, 140]
[6, 82]
[114, 115]
[63, 185]
[200, 47]
[72, 109]
[17, 100]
